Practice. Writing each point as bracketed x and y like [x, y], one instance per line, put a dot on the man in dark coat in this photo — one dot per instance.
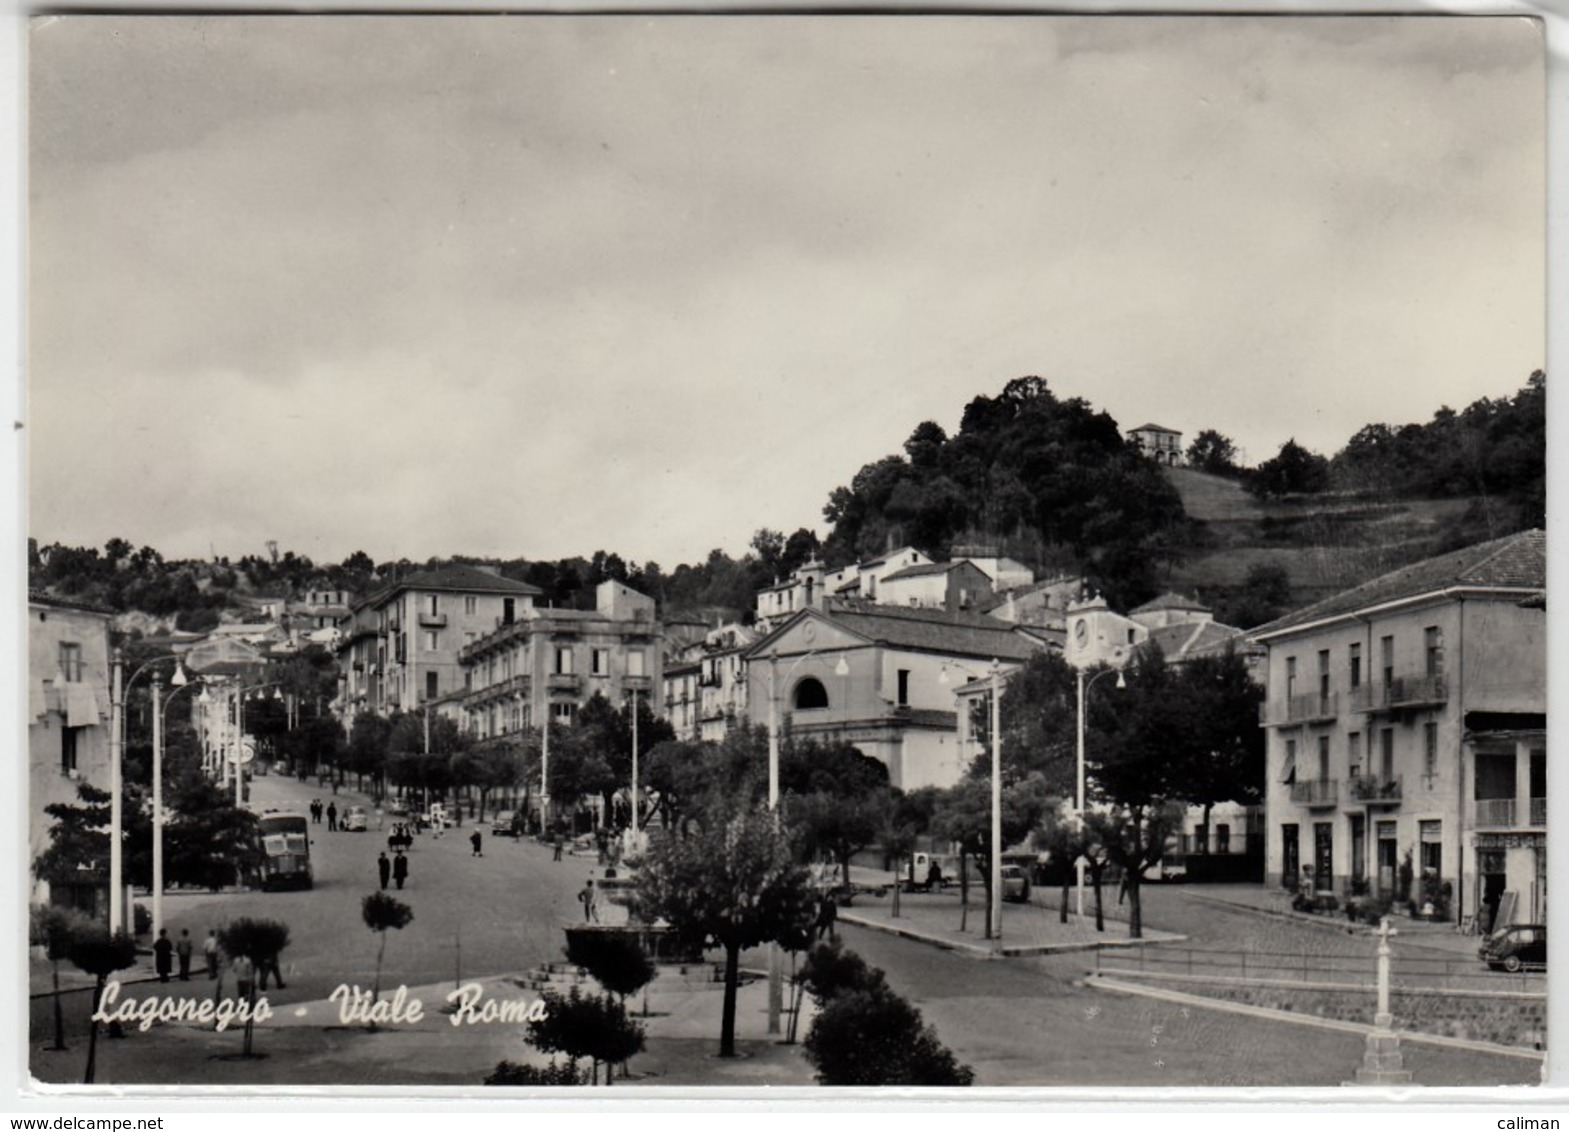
[400, 869]
[384, 870]
[163, 955]
[332, 815]
[476, 841]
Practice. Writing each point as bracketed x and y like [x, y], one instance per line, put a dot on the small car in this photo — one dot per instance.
[505, 824]
[1515, 948]
[354, 820]
[1015, 884]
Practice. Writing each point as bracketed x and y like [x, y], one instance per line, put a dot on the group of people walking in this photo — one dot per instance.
[331, 811]
[246, 973]
[396, 869]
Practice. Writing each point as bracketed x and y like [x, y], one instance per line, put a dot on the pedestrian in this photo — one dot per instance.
[183, 950]
[210, 950]
[400, 869]
[474, 840]
[379, 816]
[934, 876]
[266, 966]
[384, 870]
[1122, 886]
[332, 816]
[586, 898]
[163, 955]
[557, 855]
[827, 913]
[244, 977]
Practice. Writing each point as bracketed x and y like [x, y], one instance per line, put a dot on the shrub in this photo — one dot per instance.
[830, 970]
[141, 919]
[591, 1026]
[615, 959]
[874, 1037]
[510, 1073]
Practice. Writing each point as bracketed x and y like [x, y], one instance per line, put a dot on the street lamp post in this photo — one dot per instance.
[179, 682]
[119, 688]
[775, 956]
[1084, 688]
[634, 768]
[994, 913]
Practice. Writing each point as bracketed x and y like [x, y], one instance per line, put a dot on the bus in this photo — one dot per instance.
[286, 850]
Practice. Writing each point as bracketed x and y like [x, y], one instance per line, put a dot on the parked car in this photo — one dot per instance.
[1015, 884]
[354, 820]
[506, 823]
[1515, 948]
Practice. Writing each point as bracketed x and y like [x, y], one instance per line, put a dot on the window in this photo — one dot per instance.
[471, 605]
[1354, 754]
[1430, 753]
[70, 662]
[469, 637]
[563, 660]
[563, 714]
[1222, 838]
[1290, 775]
[600, 662]
[635, 663]
[1291, 676]
[432, 640]
[433, 605]
[1433, 649]
[810, 693]
[1323, 758]
[1386, 767]
[1431, 835]
[68, 749]
[432, 685]
[1323, 673]
[1356, 665]
[1386, 649]
[507, 606]
[904, 687]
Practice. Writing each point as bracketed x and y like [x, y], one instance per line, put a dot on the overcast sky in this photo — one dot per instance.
[539, 286]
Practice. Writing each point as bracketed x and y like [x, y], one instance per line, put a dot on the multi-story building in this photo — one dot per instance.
[547, 663]
[682, 698]
[400, 646]
[68, 705]
[960, 586]
[873, 676]
[1405, 726]
[721, 681]
[1159, 443]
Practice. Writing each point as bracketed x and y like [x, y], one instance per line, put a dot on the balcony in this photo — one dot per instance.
[564, 682]
[1401, 692]
[1316, 793]
[433, 620]
[1538, 811]
[1310, 708]
[637, 683]
[1376, 788]
[1491, 812]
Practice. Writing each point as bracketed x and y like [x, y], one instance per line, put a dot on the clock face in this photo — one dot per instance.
[809, 631]
[1081, 632]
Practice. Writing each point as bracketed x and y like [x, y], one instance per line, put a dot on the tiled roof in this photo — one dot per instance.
[459, 579]
[1183, 642]
[1171, 601]
[1514, 562]
[921, 570]
[40, 597]
[1155, 428]
[926, 630]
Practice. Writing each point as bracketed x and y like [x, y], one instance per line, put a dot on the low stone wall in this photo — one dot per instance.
[1500, 1017]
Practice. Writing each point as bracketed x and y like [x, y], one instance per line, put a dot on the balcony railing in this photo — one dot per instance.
[1375, 788]
[564, 681]
[1401, 692]
[1538, 811]
[1316, 792]
[637, 683]
[1309, 708]
[433, 620]
[1493, 812]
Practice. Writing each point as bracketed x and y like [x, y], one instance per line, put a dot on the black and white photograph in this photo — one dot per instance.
[672, 551]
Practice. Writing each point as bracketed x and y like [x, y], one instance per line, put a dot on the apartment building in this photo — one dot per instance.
[1406, 727]
[547, 663]
[401, 646]
[68, 705]
[1159, 443]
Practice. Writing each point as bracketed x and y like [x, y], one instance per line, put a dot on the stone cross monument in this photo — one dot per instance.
[1382, 1063]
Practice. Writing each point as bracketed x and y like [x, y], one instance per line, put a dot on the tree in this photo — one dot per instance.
[260, 941]
[591, 1026]
[864, 1033]
[734, 885]
[1218, 747]
[511, 1073]
[615, 960]
[487, 767]
[383, 912]
[964, 816]
[93, 950]
[1213, 453]
[1292, 471]
[1264, 596]
[53, 929]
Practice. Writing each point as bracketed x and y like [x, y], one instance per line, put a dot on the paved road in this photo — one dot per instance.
[499, 913]
[1026, 1022]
